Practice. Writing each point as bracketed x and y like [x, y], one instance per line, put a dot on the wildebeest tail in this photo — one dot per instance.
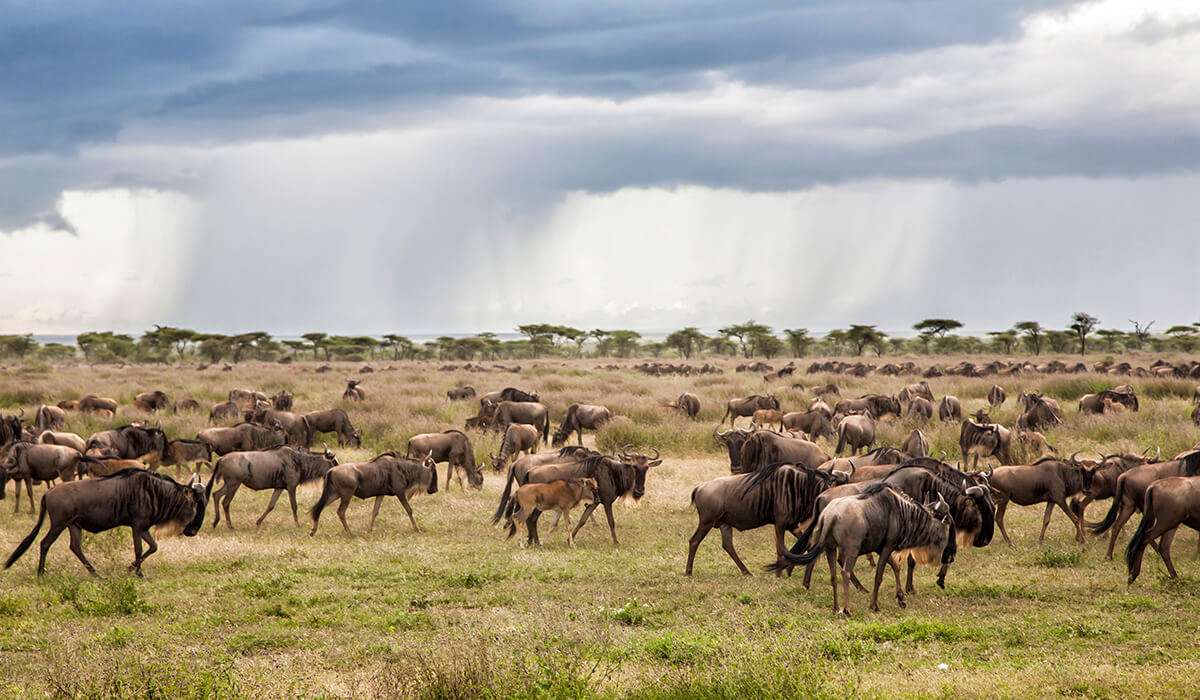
[1137, 543]
[505, 495]
[24, 545]
[308, 432]
[841, 439]
[546, 429]
[326, 497]
[1111, 516]
[815, 543]
[216, 472]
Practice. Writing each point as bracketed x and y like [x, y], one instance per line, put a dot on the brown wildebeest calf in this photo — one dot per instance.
[767, 417]
[1169, 503]
[560, 496]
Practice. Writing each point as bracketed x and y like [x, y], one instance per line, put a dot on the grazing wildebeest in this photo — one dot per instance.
[921, 407]
[98, 404]
[1169, 503]
[246, 398]
[559, 496]
[127, 442]
[520, 467]
[975, 439]
[461, 393]
[1039, 413]
[452, 447]
[1048, 480]
[688, 404]
[764, 448]
[517, 396]
[518, 438]
[353, 391]
[580, 416]
[949, 408]
[883, 521]
[283, 401]
[51, 437]
[527, 412]
[29, 462]
[182, 453]
[385, 475]
[819, 404]
[877, 405]
[281, 469]
[151, 401]
[813, 422]
[299, 432]
[912, 391]
[745, 408]
[916, 445]
[49, 418]
[134, 498]
[996, 395]
[223, 412]
[856, 430]
[188, 405]
[244, 437]
[335, 421]
[1130, 492]
[766, 418]
[779, 494]
[616, 477]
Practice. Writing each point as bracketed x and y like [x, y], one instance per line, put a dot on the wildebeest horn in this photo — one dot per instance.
[1072, 459]
[657, 454]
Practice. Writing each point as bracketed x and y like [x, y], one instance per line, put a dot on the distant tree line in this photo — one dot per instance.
[933, 336]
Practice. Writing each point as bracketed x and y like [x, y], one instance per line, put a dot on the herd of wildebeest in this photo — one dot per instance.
[817, 473]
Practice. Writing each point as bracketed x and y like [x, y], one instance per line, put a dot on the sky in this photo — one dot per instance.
[452, 167]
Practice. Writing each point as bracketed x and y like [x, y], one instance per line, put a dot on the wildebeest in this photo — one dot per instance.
[616, 477]
[299, 432]
[461, 393]
[98, 404]
[688, 404]
[246, 398]
[921, 407]
[518, 438]
[51, 437]
[244, 437]
[281, 469]
[188, 405]
[1104, 479]
[335, 421]
[580, 416]
[10, 430]
[1168, 503]
[766, 418]
[813, 422]
[1036, 442]
[856, 430]
[779, 494]
[49, 418]
[134, 498]
[29, 462]
[996, 395]
[353, 391]
[745, 408]
[385, 475]
[916, 445]
[452, 447]
[151, 401]
[182, 453]
[979, 439]
[527, 412]
[509, 393]
[1130, 492]
[559, 496]
[283, 401]
[520, 467]
[127, 442]
[1040, 413]
[949, 408]
[877, 404]
[732, 441]
[912, 391]
[98, 467]
[883, 521]
[224, 412]
[1048, 480]
[764, 448]
[69, 404]
[868, 466]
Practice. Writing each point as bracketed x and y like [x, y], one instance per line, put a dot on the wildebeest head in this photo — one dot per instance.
[431, 465]
[641, 464]
[200, 498]
[981, 497]
[733, 441]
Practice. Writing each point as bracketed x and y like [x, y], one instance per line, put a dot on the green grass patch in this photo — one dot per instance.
[680, 648]
[1059, 558]
[912, 630]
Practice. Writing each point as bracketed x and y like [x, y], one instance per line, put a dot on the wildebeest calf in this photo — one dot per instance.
[560, 496]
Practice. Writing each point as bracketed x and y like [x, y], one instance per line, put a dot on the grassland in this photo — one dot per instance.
[455, 611]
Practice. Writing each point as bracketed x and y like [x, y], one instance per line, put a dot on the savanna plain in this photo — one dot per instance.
[455, 610]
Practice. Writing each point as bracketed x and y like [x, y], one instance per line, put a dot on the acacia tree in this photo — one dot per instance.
[1083, 324]
[1111, 337]
[798, 340]
[744, 332]
[1184, 337]
[1005, 339]
[932, 328]
[862, 335]
[687, 341]
[318, 342]
[1033, 332]
[1141, 334]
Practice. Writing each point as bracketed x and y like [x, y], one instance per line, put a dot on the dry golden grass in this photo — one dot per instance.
[456, 611]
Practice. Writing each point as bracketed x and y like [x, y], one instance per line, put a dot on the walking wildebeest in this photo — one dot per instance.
[51, 437]
[335, 421]
[916, 445]
[883, 521]
[353, 391]
[766, 418]
[558, 496]
[29, 462]
[921, 407]
[517, 439]
[1130, 492]
[98, 404]
[1104, 479]
[151, 401]
[745, 408]
[281, 469]
[779, 494]
[461, 393]
[182, 453]
[454, 448]
[223, 412]
[49, 418]
[244, 437]
[764, 448]
[996, 395]
[127, 442]
[134, 498]
[1048, 480]
[877, 405]
[1169, 503]
[688, 404]
[519, 470]
[1040, 413]
[813, 422]
[732, 440]
[385, 475]
[527, 412]
[856, 430]
[580, 416]
[949, 408]
[188, 405]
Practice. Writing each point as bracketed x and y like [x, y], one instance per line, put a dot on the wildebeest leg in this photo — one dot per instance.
[832, 575]
[407, 509]
[216, 500]
[270, 507]
[1001, 507]
[1046, 521]
[76, 546]
[579, 434]
[531, 527]
[912, 565]
[292, 498]
[230, 492]
[570, 536]
[612, 524]
[137, 551]
[884, 557]
[342, 512]
[697, 537]
[375, 512]
[849, 558]
[1164, 550]
[1126, 511]
[152, 547]
[899, 591]
[727, 545]
[779, 549]
[29, 492]
[587, 512]
[1077, 521]
[16, 495]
